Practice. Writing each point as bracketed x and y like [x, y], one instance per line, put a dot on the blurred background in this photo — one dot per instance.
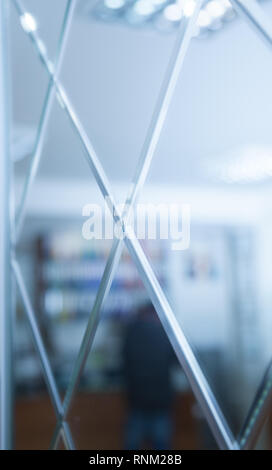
[215, 153]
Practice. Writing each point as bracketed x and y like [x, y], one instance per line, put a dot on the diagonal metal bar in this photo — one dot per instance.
[92, 324]
[148, 150]
[45, 115]
[48, 374]
[56, 436]
[67, 437]
[62, 430]
[255, 15]
[258, 411]
[162, 106]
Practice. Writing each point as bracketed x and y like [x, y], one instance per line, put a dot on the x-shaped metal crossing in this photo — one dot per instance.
[203, 393]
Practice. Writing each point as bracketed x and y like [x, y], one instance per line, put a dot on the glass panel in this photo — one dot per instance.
[215, 155]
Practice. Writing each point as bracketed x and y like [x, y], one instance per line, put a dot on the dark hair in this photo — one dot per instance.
[147, 309]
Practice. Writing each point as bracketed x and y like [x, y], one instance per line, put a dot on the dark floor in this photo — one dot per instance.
[97, 422]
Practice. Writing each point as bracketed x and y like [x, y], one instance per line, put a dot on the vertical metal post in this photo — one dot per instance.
[6, 407]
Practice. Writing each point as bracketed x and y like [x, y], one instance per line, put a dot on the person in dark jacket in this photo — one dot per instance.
[148, 357]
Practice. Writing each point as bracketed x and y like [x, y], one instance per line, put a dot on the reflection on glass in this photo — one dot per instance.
[128, 353]
[63, 273]
[131, 392]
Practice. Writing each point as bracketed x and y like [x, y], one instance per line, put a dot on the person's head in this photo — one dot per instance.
[147, 311]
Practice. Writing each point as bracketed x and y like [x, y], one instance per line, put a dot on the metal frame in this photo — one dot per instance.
[6, 412]
[199, 384]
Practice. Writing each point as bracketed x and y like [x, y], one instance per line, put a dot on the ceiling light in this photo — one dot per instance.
[144, 7]
[215, 8]
[114, 4]
[244, 165]
[163, 15]
[204, 19]
[188, 7]
[226, 4]
[173, 12]
[158, 2]
[28, 22]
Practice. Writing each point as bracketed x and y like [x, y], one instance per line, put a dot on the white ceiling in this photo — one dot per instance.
[113, 74]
